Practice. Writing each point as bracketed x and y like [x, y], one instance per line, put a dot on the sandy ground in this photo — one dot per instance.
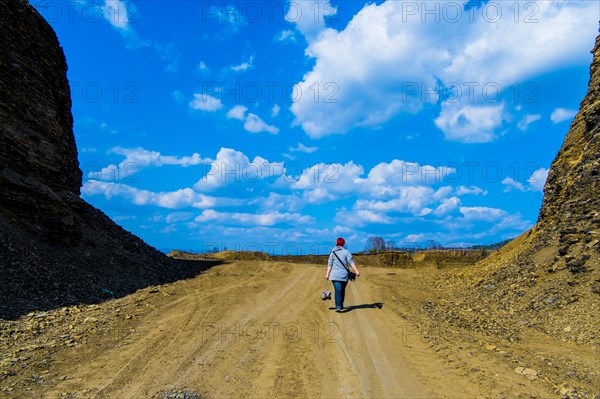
[261, 330]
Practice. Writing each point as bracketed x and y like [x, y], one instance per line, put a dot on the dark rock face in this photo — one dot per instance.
[39, 171]
[570, 212]
[35, 104]
[55, 249]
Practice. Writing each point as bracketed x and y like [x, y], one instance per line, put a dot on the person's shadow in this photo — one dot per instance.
[374, 305]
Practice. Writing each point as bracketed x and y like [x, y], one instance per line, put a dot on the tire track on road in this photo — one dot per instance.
[153, 336]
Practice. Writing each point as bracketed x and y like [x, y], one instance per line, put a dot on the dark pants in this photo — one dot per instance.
[340, 292]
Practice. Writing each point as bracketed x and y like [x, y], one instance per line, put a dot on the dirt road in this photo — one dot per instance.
[260, 330]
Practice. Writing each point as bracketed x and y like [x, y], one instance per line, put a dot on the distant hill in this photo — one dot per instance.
[222, 255]
[494, 246]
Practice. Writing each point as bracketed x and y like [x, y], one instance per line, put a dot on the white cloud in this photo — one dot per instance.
[482, 213]
[182, 198]
[511, 223]
[169, 55]
[536, 182]
[511, 183]
[398, 172]
[139, 158]
[448, 205]
[178, 217]
[237, 112]
[204, 202]
[463, 190]
[286, 35]
[263, 219]
[122, 218]
[538, 179]
[205, 102]
[562, 114]
[116, 13]
[498, 223]
[142, 157]
[156, 218]
[230, 15]
[275, 110]
[470, 124]
[231, 166]
[416, 238]
[309, 17]
[175, 199]
[254, 124]
[362, 217]
[414, 200]
[389, 193]
[244, 66]
[87, 122]
[385, 62]
[168, 229]
[442, 193]
[302, 148]
[275, 201]
[410, 199]
[425, 211]
[528, 120]
[319, 195]
[203, 67]
[496, 52]
[342, 230]
[325, 182]
[177, 95]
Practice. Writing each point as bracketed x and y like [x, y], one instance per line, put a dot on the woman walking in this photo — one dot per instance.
[337, 271]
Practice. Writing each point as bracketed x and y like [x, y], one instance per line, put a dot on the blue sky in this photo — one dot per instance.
[279, 126]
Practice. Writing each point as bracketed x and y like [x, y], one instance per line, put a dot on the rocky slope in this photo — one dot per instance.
[547, 280]
[55, 249]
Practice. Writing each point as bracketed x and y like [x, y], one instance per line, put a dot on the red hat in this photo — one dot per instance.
[340, 242]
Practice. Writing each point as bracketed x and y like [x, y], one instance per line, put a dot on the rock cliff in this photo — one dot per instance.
[55, 249]
[548, 279]
[570, 213]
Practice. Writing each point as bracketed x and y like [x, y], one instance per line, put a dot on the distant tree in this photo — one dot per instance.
[375, 244]
[409, 246]
[431, 244]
